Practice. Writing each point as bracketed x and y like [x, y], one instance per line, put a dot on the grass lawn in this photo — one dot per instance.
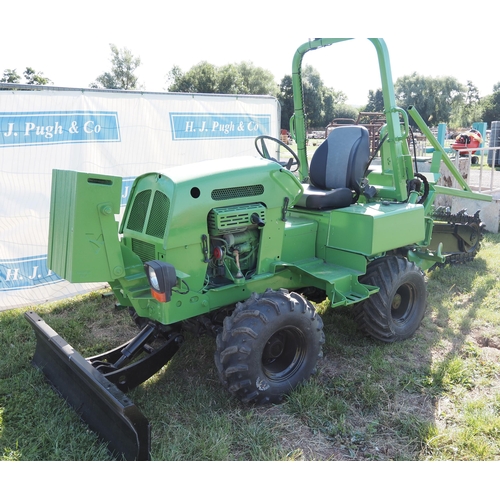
[434, 397]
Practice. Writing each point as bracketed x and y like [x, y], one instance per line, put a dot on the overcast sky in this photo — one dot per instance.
[69, 41]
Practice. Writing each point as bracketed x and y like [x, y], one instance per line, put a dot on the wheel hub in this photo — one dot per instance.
[283, 354]
[274, 348]
[402, 301]
[396, 301]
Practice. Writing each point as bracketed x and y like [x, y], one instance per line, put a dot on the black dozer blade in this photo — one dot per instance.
[99, 403]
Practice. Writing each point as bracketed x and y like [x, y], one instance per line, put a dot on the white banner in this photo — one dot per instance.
[119, 133]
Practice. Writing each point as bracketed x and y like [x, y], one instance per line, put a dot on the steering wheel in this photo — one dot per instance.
[260, 146]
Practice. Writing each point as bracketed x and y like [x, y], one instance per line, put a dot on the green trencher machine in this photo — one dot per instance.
[238, 248]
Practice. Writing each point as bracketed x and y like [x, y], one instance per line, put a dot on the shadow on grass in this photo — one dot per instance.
[367, 401]
[458, 293]
[376, 401]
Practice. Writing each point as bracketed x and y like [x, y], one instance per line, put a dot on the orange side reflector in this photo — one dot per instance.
[160, 297]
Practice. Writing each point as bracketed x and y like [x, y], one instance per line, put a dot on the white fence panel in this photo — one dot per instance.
[118, 133]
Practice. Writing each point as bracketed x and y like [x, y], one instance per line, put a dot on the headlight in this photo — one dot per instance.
[162, 278]
[153, 279]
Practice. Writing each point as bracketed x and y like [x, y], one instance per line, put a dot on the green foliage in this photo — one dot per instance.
[313, 91]
[206, 78]
[34, 78]
[344, 110]
[230, 80]
[491, 107]
[436, 99]
[321, 103]
[285, 97]
[10, 76]
[375, 102]
[31, 77]
[471, 110]
[201, 78]
[121, 76]
[257, 81]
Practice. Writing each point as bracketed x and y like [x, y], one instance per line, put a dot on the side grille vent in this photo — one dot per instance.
[237, 192]
[234, 219]
[145, 251]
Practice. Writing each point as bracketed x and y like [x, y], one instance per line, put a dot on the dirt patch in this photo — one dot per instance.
[490, 345]
[112, 324]
[493, 343]
[115, 335]
[302, 442]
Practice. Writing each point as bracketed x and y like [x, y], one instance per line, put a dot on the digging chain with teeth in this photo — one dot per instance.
[443, 214]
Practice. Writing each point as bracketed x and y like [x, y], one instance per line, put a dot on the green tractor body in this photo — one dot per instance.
[238, 247]
[198, 218]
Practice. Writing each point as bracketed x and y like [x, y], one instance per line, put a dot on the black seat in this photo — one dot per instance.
[337, 168]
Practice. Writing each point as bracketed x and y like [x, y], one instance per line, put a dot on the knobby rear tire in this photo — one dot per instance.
[269, 345]
[396, 311]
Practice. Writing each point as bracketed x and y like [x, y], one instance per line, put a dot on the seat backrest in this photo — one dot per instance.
[341, 160]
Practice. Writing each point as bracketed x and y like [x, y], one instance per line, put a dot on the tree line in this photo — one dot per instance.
[438, 100]
[31, 77]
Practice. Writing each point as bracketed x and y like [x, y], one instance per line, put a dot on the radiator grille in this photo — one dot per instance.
[159, 215]
[139, 210]
[237, 192]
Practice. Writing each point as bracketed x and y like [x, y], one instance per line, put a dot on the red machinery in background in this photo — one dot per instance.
[470, 140]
